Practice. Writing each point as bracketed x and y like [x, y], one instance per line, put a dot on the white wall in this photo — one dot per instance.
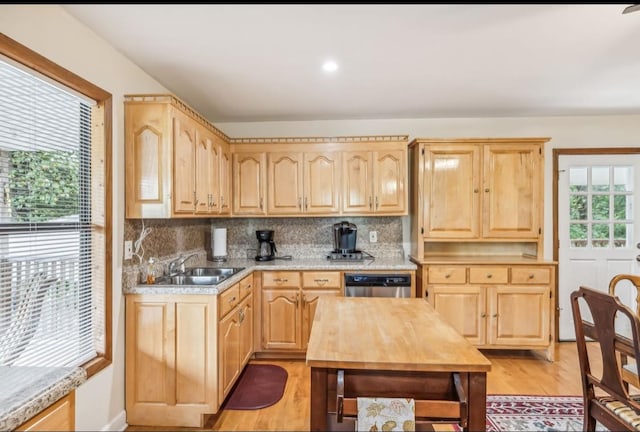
[50, 31]
[565, 132]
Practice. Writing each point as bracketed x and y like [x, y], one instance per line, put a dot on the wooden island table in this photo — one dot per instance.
[392, 348]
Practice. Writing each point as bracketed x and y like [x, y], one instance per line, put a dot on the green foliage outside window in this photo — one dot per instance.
[599, 212]
[43, 185]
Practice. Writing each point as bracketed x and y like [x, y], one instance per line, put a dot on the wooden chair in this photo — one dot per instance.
[614, 407]
[629, 372]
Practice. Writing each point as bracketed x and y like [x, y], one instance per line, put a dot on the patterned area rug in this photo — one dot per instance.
[534, 413]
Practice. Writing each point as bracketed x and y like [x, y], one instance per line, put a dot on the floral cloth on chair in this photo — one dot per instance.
[386, 414]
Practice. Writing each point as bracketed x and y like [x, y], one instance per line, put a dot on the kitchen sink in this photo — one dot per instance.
[199, 276]
[212, 271]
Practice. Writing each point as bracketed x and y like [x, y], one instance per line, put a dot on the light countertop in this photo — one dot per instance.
[381, 264]
[27, 390]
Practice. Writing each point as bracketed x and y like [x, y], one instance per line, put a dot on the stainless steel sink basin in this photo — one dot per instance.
[199, 276]
[212, 271]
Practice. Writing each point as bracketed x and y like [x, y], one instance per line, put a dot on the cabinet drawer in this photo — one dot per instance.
[486, 275]
[280, 279]
[448, 275]
[530, 275]
[228, 300]
[246, 286]
[321, 280]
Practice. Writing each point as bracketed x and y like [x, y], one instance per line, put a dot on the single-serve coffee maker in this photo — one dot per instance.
[344, 237]
[266, 247]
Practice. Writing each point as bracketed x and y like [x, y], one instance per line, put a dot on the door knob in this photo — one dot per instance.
[638, 258]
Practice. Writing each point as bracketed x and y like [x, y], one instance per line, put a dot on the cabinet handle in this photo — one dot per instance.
[300, 203]
[260, 203]
[306, 203]
[213, 201]
[279, 280]
[195, 200]
[241, 315]
[370, 203]
[222, 202]
[320, 281]
[377, 203]
[303, 300]
[297, 301]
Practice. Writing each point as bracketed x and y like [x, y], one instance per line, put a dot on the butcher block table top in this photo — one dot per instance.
[388, 334]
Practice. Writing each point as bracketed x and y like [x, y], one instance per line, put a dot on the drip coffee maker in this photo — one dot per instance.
[266, 247]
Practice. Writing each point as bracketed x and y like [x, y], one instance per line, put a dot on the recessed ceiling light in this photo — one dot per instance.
[330, 66]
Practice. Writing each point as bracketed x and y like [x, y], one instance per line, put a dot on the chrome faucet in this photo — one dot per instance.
[179, 262]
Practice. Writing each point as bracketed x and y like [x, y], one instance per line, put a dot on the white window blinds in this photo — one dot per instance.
[51, 224]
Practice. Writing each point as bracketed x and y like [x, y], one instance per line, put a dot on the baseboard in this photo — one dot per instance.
[119, 423]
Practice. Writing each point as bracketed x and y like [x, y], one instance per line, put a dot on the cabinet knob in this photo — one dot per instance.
[489, 276]
[232, 299]
[447, 276]
[495, 315]
[530, 276]
[476, 190]
[484, 315]
[486, 190]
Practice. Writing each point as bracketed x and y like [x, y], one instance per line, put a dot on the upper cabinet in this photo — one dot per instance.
[480, 189]
[177, 164]
[373, 182]
[303, 183]
[321, 176]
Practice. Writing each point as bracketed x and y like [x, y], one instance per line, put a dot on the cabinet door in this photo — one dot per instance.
[245, 310]
[281, 319]
[452, 191]
[284, 177]
[321, 183]
[463, 307]
[148, 157]
[249, 183]
[309, 304]
[519, 315]
[512, 191]
[184, 147]
[170, 341]
[224, 194]
[207, 172]
[390, 176]
[229, 352]
[357, 182]
[58, 417]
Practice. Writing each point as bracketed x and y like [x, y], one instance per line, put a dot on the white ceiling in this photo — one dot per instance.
[263, 62]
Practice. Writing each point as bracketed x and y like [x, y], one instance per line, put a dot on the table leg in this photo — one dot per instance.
[318, 399]
[477, 401]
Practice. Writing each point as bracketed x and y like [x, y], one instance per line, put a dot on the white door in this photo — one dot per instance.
[598, 226]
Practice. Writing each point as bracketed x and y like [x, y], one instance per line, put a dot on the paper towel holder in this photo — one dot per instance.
[209, 248]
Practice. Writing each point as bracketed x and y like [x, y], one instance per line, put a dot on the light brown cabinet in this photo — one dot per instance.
[495, 306]
[289, 301]
[171, 359]
[235, 334]
[477, 189]
[249, 183]
[303, 183]
[173, 162]
[58, 417]
[373, 182]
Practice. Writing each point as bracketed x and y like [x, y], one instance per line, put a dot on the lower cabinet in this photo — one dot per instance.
[184, 353]
[289, 301]
[235, 340]
[496, 306]
[58, 417]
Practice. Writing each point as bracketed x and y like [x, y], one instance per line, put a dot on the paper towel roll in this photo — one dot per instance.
[219, 242]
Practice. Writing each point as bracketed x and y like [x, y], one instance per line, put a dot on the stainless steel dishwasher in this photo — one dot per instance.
[377, 285]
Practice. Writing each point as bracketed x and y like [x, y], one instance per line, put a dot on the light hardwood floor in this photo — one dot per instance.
[513, 372]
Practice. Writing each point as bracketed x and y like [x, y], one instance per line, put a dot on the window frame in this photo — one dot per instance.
[31, 59]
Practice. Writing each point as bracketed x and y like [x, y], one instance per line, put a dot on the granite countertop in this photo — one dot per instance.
[27, 390]
[386, 264]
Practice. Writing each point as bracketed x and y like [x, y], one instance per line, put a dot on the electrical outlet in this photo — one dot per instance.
[128, 249]
[373, 236]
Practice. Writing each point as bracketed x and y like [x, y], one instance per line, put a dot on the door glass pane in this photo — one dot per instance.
[600, 207]
[578, 207]
[621, 207]
[620, 235]
[600, 179]
[578, 179]
[622, 179]
[578, 235]
[600, 235]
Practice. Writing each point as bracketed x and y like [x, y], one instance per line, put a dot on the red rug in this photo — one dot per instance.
[259, 386]
[534, 413]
